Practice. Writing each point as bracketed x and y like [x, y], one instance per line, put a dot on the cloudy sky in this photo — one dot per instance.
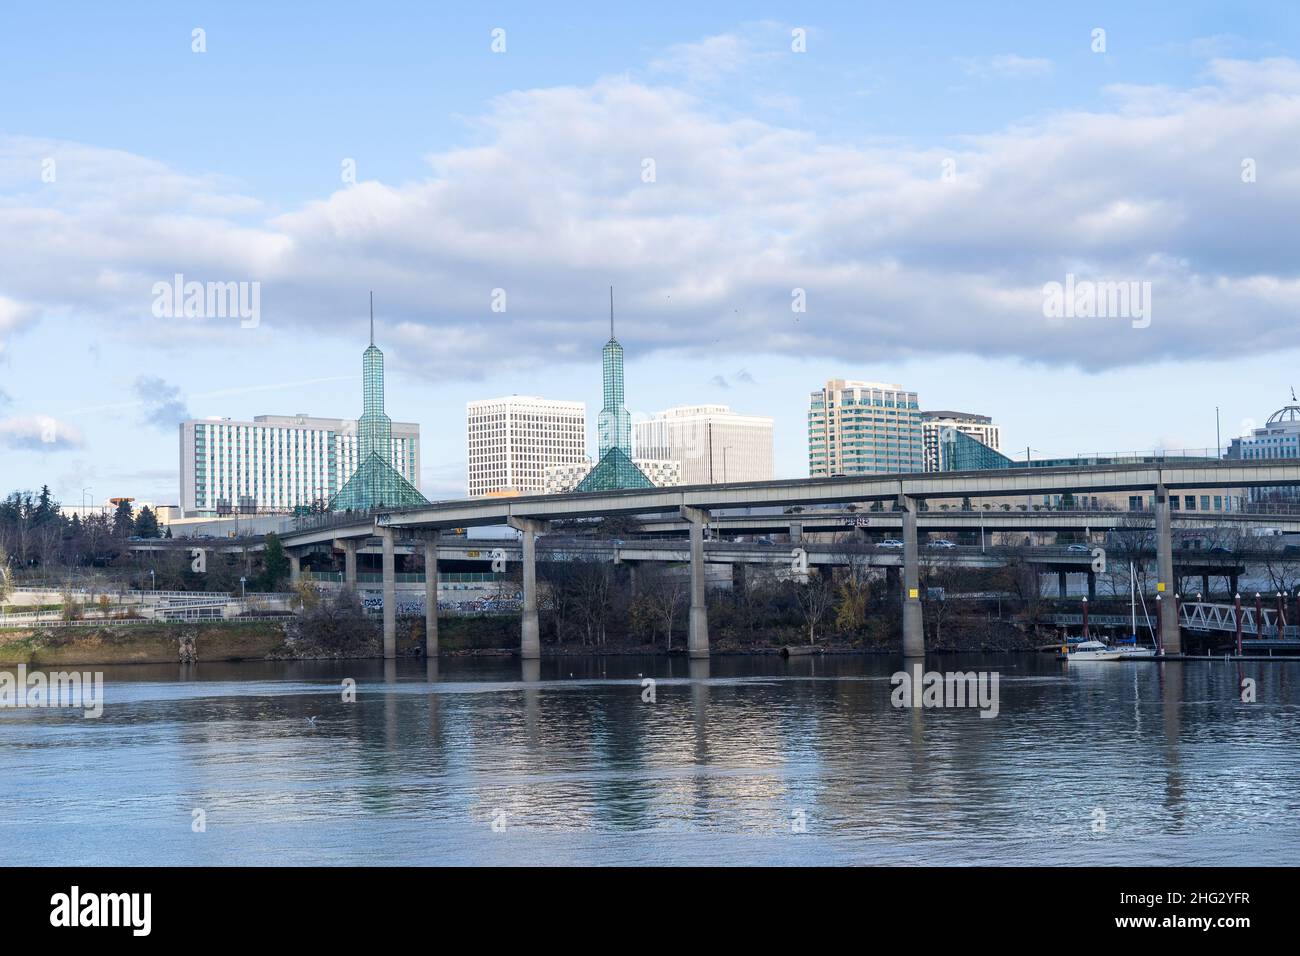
[915, 177]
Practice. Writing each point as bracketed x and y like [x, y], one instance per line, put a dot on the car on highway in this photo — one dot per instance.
[941, 543]
[1079, 547]
[891, 543]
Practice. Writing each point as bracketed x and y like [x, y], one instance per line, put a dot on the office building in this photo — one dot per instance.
[863, 428]
[278, 462]
[978, 427]
[512, 441]
[714, 444]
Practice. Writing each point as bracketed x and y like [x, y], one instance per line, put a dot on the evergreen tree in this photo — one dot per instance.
[146, 524]
[275, 564]
[123, 520]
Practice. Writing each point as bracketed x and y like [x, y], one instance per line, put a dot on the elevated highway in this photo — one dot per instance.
[693, 506]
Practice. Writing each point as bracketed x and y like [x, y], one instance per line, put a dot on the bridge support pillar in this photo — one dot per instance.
[390, 595]
[913, 623]
[633, 579]
[891, 583]
[796, 532]
[1092, 585]
[349, 548]
[1205, 586]
[530, 632]
[431, 595]
[739, 577]
[295, 567]
[1170, 637]
[1061, 585]
[697, 635]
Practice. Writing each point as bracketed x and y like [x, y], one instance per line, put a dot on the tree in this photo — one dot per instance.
[665, 595]
[146, 523]
[123, 520]
[275, 564]
[815, 599]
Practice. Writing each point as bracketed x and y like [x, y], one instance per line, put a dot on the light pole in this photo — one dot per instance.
[243, 594]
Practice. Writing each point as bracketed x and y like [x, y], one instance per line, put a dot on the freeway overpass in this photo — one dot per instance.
[694, 505]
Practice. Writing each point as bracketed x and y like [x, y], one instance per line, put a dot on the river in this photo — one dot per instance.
[746, 759]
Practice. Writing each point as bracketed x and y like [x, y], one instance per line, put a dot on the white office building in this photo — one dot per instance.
[979, 427]
[277, 462]
[511, 442]
[714, 444]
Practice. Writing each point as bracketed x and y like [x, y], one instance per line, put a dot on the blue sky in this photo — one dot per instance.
[522, 170]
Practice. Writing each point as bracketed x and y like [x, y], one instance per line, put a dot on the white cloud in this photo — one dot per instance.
[550, 206]
[39, 433]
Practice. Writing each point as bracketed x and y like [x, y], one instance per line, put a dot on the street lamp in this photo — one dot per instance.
[153, 585]
[242, 593]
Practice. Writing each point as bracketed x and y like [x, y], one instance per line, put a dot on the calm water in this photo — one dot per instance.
[581, 770]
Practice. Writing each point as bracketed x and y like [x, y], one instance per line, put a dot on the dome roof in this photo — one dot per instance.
[1288, 413]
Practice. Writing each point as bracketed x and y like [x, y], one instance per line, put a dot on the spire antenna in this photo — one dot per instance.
[611, 312]
[372, 316]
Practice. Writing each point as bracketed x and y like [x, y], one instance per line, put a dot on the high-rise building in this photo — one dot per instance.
[278, 462]
[863, 428]
[978, 427]
[714, 444]
[512, 441]
[615, 468]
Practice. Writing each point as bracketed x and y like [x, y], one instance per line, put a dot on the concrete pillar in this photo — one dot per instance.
[892, 583]
[1092, 585]
[530, 635]
[349, 546]
[913, 624]
[634, 578]
[1061, 585]
[1205, 586]
[739, 577]
[796, 532]
[390, 595]
[697, 635]
[295, 567]
[431, 595]
[1170, 638]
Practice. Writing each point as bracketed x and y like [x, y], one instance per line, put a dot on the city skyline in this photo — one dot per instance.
[715, 92]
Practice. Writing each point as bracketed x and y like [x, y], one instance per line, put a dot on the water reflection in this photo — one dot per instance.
[581, 767]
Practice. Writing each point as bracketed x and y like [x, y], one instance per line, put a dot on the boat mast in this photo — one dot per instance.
[1132, 602]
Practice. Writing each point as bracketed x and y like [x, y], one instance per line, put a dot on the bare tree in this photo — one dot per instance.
[665, 593]
[815, 598]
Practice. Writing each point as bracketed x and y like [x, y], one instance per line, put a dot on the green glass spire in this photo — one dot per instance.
[376, 483]
[375, 428]
[615, 468]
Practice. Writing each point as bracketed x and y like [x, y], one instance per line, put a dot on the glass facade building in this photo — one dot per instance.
[863, 428]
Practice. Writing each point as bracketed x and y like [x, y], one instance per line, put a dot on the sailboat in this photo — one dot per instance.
[1133, 652]
[1129, 651]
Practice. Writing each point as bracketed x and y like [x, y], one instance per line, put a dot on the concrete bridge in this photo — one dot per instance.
[693, 506]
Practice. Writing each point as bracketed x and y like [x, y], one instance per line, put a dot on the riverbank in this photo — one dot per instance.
[485, 636]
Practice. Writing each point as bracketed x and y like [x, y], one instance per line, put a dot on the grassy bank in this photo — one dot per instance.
[140, 644]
